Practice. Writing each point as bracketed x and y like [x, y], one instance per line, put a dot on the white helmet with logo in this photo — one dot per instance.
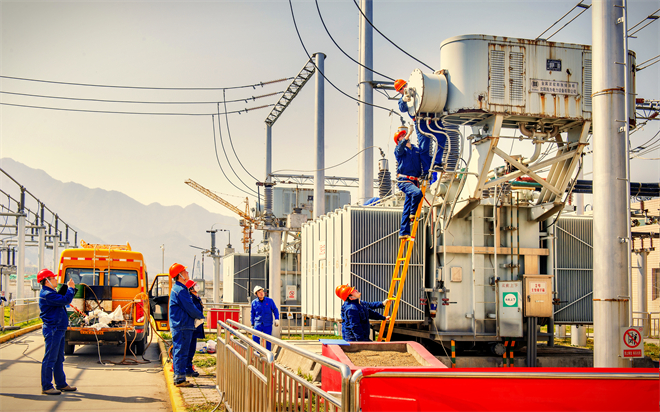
[257, 289]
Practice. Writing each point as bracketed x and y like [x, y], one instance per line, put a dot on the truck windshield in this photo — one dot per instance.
[89, 277]
[121, 278]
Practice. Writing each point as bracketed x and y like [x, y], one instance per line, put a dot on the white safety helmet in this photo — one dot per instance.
[257, 289]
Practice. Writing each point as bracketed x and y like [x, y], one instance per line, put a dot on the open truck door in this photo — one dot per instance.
[159, 301]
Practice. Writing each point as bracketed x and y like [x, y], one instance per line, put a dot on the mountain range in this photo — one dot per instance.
[111, 217]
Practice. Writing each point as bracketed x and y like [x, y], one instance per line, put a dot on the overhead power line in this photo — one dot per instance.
[342, 50]
[230, 140]
[651, 17]
[254, 85]
[253, 98]
[295, 25]
[133, 113]
[581, 5]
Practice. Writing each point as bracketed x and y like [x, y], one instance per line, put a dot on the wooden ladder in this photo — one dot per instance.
[399, 275]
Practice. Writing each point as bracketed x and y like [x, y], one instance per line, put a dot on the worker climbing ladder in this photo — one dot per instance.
[399, 275]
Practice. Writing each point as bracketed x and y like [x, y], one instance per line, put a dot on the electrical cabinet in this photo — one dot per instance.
[538, 295]
[509, 308]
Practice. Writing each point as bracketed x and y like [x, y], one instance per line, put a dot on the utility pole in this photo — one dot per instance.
[611, 249]
[20, 268]
[319, 131]
[56, 246]
[366, 111]
[41, 230]
[162, 248]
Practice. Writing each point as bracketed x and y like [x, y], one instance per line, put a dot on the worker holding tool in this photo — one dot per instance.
[355, 314]
[55, 321]
[410, 168]
[199, 330]
[183, 315]
[261, 314]
[424, 133]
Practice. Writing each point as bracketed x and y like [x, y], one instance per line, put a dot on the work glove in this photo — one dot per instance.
[199, 322]
[385, 302]
[406, 96]
[277, 323]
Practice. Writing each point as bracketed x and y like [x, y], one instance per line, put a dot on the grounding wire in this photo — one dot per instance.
[386, 38]
[215, 145]
[254, 86]
[326, 168]
[132, 113]
[342, 50]
[253, 98]
[323, 74]
[230, 140]
[560, 19]
[222, 144]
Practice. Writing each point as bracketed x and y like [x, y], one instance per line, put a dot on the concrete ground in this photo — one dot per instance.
[100, 388]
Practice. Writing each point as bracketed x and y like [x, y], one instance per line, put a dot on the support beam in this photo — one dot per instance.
[366, 111]
[319, 133]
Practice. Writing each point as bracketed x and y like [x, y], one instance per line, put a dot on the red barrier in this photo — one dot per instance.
[495, 389]
[214, 315]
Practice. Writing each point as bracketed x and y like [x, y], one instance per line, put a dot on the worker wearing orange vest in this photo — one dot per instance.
[355, 314]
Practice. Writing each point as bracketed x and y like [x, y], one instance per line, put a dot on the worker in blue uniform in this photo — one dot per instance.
[422, 138]
[199, 330]
[261, 314]
[183, 314]
[410, 169]
[355, 314]
[55, 321]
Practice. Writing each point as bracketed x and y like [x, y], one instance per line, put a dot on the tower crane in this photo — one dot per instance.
[247, 222]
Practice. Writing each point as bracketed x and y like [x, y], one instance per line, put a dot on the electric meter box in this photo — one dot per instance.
[538, 295]
[519, 77]
[509, 309]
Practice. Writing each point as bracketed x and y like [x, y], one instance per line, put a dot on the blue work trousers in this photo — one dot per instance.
[413, 197]
[53, 363]
[191, 354]
[180, 349]
[267, 329]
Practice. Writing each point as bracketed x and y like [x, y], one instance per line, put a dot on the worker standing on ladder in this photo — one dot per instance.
[410, 168]
[355, 314]
[183, 314]
[423, 131]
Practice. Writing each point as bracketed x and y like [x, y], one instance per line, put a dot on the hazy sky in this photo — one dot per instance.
[225, 44]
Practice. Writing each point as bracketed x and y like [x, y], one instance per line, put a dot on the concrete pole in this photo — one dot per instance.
[366, 112]
[610, 189]
[579, 335]
[42, 247]
[642, 289]
[20, 266]
[275, 278]
[319, 132]
[269, 152]
[56, 246]
[217, 277]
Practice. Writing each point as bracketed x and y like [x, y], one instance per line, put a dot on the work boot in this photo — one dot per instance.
[51, 391]
[438, 168]
[183, 384]
[404, 237]
[68, 388]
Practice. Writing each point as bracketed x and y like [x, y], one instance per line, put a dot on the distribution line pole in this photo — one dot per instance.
[366, 112]
[20, 267]
[319, 131]
[610, 188]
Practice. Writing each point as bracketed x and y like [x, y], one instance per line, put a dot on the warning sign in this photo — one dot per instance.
[291, 292]
[633, 343]
[538, 287]
[510, 299]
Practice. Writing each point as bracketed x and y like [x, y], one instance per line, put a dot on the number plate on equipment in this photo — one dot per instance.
[91, 332]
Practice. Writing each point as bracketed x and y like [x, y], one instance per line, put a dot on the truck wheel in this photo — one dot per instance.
[68, 349]
[138, 347]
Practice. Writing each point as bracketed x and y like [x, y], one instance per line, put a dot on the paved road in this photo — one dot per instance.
[100, 388]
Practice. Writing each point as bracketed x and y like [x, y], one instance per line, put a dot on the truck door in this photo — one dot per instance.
[159, 300]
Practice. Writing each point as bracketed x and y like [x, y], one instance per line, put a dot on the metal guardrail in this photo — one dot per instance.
[23, 310]
[649, 321]
[247, 370]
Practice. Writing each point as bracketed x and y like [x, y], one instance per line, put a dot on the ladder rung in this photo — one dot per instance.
[397, 279]
[400, 259]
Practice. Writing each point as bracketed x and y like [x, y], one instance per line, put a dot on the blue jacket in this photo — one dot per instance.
[262, 312]
[182, 309]
[355, 317]
[53, 307]
[199, 331]
[409, 160]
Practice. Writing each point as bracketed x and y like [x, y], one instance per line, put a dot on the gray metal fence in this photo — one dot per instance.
[249, 379]
[23, 310]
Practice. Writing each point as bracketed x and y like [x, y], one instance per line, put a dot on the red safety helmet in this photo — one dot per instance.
[342, 291]
[190, 283]
[399, 85]
[176, 268]
[43, 274]
[399, 135]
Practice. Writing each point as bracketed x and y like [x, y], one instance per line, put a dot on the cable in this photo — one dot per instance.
[386, 38]
[323, 74]
[650, 16]
[262, 84]
[569, 22]
[134, 113]
[342, 50]
[561, 18]
[331, 167]
[230, 140]
[215, 145]
[253, 98]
